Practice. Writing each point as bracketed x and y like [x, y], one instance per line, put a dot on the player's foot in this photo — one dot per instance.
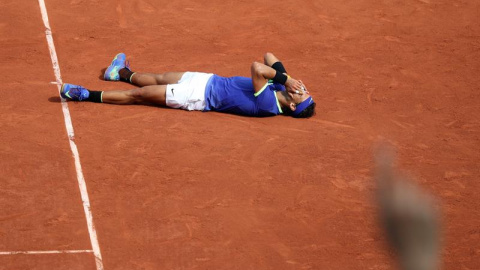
[74, 92]
[119, 62]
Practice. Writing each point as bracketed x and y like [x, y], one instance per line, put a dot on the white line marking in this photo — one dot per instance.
[71, 135]
[45, 252]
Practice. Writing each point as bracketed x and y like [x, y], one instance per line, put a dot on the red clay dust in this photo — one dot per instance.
[171, 189]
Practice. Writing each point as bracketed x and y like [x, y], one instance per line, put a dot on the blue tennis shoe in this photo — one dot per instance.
[119, 62]
[74, 92]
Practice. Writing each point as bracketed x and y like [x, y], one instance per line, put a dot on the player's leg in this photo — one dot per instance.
[152, 94]
[119, 70]
[145, 79]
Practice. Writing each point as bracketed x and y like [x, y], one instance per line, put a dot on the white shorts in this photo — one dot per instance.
[189, 92]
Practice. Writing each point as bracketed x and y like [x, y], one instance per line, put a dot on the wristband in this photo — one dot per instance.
[280, 77]
[278, 66]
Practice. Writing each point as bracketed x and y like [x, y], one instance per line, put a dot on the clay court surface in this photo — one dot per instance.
[171, 189]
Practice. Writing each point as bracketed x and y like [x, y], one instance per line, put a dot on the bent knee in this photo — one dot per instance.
[160, 79]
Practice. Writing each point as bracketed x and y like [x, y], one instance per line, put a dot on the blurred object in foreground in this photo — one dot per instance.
[408, 214]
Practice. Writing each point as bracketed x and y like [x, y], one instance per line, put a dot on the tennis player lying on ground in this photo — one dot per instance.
[270, 91]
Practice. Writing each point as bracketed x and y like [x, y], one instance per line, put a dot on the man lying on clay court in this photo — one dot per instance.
[270, 91]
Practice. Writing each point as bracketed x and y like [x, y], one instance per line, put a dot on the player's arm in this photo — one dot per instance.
[272, 61]
[261, 73]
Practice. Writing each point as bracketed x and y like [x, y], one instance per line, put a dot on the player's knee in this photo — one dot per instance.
[137, 95]
[160, 78]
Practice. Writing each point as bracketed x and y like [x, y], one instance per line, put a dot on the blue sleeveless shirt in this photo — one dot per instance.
[236, 95]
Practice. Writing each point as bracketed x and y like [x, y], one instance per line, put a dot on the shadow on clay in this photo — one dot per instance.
[55, 99]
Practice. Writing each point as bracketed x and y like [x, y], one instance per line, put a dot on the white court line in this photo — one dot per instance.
[71, 136]
[45, 252]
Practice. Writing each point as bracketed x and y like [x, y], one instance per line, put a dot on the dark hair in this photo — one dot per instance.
[307, 112]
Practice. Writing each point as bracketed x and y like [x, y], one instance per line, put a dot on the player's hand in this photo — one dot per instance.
[295, 86]
[304, 88]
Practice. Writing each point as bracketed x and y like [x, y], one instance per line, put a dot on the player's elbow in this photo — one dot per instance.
[269, 59]
[268, 56]
[256, 68]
